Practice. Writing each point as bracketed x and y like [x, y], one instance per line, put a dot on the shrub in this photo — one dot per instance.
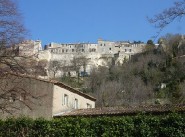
[166, 125]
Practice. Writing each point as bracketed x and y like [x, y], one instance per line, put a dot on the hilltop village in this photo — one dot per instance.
[92, 55]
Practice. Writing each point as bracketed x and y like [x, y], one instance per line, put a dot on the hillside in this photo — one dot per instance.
[155, 76]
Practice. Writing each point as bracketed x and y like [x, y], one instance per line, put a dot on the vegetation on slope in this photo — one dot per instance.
[155, 76]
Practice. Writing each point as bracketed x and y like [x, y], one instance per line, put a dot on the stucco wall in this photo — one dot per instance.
[58, 101]
[38, 97]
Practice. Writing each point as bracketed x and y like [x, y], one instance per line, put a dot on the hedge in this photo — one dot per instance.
[169, 125]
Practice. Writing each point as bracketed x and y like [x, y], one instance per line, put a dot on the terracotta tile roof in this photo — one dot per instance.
[108, 111]
[60, 84]
[75, 91]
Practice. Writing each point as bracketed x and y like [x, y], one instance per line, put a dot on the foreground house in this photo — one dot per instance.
[33, 97]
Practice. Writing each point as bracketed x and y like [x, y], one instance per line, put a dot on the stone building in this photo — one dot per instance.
[106, 47]
[72, 48]
[103, 47]
[33, 97]
[30, 48]
[97, 54]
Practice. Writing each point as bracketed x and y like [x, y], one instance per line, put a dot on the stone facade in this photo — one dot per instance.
[96, 53]
[102, 47]
[36, 98]
[32, 98]
[29, 48]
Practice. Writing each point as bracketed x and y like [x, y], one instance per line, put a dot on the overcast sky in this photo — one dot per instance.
[70, 21]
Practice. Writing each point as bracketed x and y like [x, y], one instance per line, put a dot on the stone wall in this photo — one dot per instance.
[29, 47]
[33, 97]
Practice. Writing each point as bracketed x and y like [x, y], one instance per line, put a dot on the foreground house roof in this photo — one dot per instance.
[115, 111]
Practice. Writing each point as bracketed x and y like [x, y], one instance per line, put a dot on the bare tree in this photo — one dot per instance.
[76, 64]
[161, 20]
[108, 94]
[12, 32]
[136, 92]
[126, 90]
[174, 44]
[84, 62]
[96, 78]
[54, 67]
[39, 68]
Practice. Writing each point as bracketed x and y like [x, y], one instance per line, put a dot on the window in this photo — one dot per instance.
[23, 97]
[89, 106]
[109, 48]
[76, 103]
[82, 50]
[62, 50]
[12, 97]
[130, 50]
[65, 99]
[66, 50]
[73, 50]
[125, 50]
[92, 50]
[104, 44]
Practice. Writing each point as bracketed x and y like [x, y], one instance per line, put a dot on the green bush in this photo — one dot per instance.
[166, 125]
